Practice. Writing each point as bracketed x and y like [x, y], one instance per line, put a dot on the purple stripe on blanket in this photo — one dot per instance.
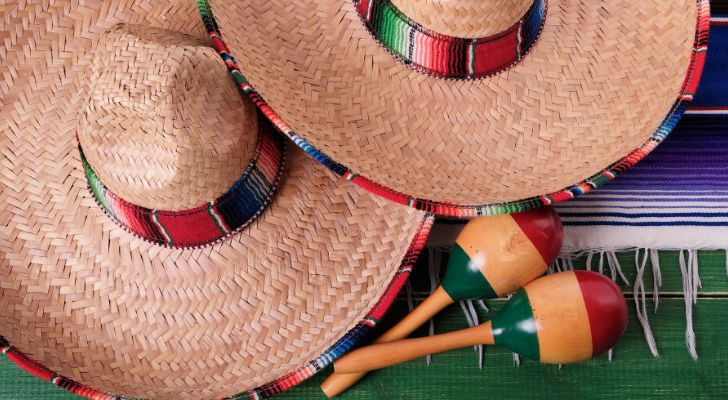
[645, 224]
[680, 166]
[661, 192]
[693, 179]
[565, 207]
[644, 215]
[687, 188]
[593, 199]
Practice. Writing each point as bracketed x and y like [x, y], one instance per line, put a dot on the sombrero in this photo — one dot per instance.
[469, 107]
[156, 237]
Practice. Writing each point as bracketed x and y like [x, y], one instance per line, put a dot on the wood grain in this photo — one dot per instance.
[569, 333]
[634, 373]
[507, 259]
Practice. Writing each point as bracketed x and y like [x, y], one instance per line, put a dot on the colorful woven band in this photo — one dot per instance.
[207, 223]
[446, 56]
[692, 78]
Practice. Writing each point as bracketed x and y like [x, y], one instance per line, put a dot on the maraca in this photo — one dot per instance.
[492, 256]
[559, 319]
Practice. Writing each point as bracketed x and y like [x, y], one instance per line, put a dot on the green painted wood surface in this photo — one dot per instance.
[633, 374]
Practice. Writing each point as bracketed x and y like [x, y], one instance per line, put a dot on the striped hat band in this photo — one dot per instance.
[155, 161]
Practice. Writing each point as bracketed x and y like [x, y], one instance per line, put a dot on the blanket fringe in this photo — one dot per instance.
[472, 317]
[638, 293]
[656, 277]
[608, 264]
[434, 266]
[605, 262]
[691, 285]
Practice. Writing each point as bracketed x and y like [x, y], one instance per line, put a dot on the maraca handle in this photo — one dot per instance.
[385, 354]
[337, 383]
[439, 299]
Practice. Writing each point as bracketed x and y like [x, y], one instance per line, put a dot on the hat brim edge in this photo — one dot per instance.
[449, 209]
[288, 381]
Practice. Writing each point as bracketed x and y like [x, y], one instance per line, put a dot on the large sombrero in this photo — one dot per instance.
[156, 238]
[469, 107]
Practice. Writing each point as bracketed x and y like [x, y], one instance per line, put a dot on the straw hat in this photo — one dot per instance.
[469, 107]
[225, 264]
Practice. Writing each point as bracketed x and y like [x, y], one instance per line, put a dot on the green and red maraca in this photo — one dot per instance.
[492, 256]
[559, 319]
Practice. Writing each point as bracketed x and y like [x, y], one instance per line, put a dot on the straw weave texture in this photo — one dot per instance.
[100, 306]
[163, 126]
[597, 83]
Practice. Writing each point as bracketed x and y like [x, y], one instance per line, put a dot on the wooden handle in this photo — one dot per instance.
[439, 299]
[385, 354]
[432, 305]
[337, 383]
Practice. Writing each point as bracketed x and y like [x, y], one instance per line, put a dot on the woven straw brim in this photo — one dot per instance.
[600, 82]
[97, 305]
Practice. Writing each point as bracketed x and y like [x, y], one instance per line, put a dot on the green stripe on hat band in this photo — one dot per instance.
[95, 185]
[394, 32]
[463, 278]
[515, 327]
[217, 218]
[471, 55]
[519, 40]
[162, 228]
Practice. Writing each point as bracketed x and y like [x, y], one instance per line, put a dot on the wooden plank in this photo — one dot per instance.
[633, 373]
[16, 384]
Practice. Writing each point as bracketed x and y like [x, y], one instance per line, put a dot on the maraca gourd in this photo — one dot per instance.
[559, 319]
[492, 256]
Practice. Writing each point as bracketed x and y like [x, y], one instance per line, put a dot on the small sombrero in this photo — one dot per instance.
[468, 107]
[156, 237]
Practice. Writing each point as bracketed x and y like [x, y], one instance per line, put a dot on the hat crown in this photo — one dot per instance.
[164, 126]
[465, 18]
